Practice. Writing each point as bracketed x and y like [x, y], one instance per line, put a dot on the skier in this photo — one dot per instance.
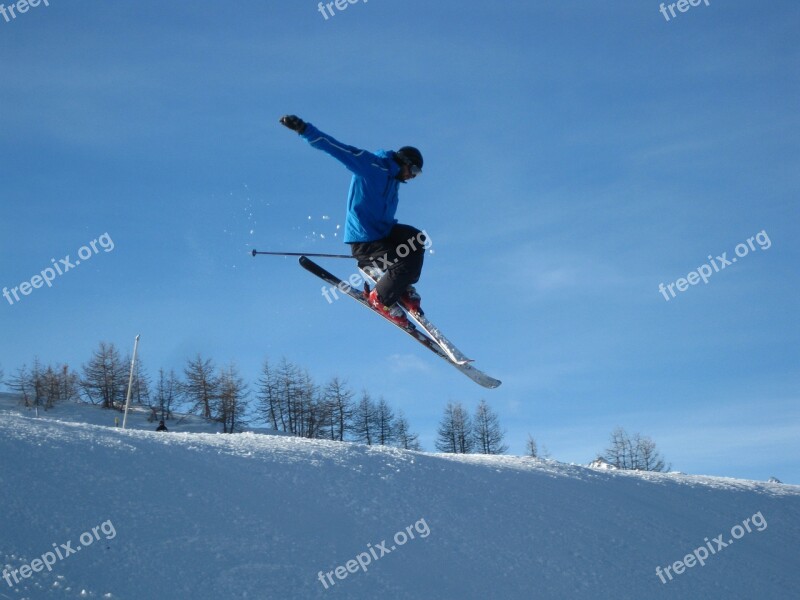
[384, 248]
[161, 426]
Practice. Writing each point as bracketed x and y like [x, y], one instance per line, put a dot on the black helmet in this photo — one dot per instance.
[410, 156]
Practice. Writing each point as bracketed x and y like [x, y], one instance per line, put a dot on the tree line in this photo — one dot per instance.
[633, 452]
[460, 433]
[285, 397]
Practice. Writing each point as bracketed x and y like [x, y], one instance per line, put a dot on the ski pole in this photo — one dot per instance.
[256, 252]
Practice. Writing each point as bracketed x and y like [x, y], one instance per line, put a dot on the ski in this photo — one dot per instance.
[476, 375]
[434, 332]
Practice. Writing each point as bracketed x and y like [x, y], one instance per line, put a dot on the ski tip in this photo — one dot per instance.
[490, 383]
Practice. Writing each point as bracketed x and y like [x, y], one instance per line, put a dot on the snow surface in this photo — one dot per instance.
[206, 515]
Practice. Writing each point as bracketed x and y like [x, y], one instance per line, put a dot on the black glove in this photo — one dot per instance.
[294, 123]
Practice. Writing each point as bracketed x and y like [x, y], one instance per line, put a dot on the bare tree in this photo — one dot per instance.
[201, 388]
[403, 436]
[649, 457]
[56, 385]
[231, 401]
[619, 452]
[105, 377]
[44, 385]
[338, 409]
[21, 382]
[51, 387]
[446, 442]
[289, 400]
[31, 384]
[637, 453]
[531, 449]
[364, 428]
[167, 394]
[69, 383]
[455, 430]
[39, 383]
[140, 389]
[384, 423]
[268, 397]
[486, 429]
[290, 390]
[307, 409]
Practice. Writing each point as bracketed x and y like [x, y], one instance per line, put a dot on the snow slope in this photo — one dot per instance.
[202, 515]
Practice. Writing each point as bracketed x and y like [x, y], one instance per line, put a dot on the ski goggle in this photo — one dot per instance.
[415, 170]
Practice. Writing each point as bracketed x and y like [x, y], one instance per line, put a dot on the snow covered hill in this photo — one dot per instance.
[203, 515]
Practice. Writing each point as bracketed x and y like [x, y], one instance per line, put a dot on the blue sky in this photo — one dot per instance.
[577, 155]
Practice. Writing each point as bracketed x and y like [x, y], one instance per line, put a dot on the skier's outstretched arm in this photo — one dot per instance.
[355, 159]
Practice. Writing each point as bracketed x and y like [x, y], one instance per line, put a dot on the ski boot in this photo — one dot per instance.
[410, 300]
[394, 313]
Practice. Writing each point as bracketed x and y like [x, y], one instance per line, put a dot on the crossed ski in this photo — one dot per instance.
[427, 334]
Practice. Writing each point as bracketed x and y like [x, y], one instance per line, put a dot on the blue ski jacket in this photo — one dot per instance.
[372, 199]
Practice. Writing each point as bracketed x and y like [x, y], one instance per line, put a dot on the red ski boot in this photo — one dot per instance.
[394, 313]
[411, 300]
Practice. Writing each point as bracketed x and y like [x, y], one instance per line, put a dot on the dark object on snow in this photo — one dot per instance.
[161, 426]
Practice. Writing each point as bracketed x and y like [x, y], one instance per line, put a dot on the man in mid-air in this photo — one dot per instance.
[374, 235]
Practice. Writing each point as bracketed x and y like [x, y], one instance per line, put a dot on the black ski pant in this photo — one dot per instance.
[399, 255]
